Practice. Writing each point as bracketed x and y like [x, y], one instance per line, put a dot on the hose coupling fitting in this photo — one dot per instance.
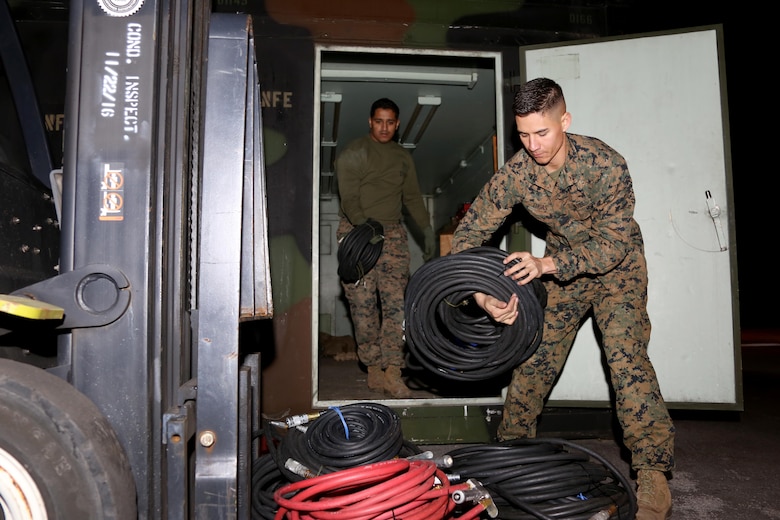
[299, 469]
[476, 493]
[445, 461]
[297, 420]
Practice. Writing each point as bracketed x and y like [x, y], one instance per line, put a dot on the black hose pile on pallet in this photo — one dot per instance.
[543, 479]
[448, 334]
[359, 250]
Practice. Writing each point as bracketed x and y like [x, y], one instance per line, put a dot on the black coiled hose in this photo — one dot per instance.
[359, 250]
[343, 437]
[354, 434]
[266, 478]
[543, 479]
[450, 335]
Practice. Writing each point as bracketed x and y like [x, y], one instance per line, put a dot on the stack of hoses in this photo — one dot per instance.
[542, 479]
[449, 335]
[524, 479]
[338, 438]
[359, 250]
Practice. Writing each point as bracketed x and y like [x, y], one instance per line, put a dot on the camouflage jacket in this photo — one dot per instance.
[588, 211]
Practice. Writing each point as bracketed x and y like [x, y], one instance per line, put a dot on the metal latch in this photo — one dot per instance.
[714, 211]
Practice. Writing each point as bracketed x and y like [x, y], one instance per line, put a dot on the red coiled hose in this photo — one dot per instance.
[396, 489]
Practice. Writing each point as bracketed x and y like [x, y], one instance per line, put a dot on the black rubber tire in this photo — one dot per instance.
[67, 446]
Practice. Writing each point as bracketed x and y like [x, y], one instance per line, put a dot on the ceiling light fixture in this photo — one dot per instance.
[376, 73]
[330, 110]
[425, 105]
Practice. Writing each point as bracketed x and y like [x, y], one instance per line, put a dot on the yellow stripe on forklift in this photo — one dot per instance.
[29, 308]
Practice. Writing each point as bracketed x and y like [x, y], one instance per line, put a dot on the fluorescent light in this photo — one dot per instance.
[418, 123]
[429, 100]
[329, 119]
[330, 97]
[344, 72]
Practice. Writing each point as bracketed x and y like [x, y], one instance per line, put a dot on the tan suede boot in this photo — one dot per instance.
[376, 379]
[394, 385]
[653, 498]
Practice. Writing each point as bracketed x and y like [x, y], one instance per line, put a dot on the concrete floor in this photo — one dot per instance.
[728, 463]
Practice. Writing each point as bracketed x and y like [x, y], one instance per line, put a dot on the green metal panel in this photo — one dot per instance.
[450, 424]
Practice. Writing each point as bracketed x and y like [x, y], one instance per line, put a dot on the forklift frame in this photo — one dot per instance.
[164, 248]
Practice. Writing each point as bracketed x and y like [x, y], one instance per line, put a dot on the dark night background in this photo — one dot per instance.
[748, 42]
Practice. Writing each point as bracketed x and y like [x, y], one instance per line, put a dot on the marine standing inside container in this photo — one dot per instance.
[581, 190]
[376, 178]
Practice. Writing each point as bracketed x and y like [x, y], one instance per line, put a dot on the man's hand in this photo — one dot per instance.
[429, 243]
[527, 267]
[501, 312]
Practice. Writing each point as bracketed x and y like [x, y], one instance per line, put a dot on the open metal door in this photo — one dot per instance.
[660, 100]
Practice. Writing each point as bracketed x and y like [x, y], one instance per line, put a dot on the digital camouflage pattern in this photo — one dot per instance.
[376, 302]
[598, 250]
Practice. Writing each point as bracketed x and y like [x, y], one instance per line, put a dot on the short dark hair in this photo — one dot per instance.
[385, 103]
[537, 96]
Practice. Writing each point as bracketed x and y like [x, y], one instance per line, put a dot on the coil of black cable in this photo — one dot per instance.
[359, 250]
[532, 479]
[266, 478]
[344, 437]
[355, 434]
[448, 334]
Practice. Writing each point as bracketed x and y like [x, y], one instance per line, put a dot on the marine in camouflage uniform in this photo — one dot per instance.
[376, 179]
[594, 260]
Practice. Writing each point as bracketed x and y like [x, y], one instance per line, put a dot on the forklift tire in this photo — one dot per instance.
[59, 456]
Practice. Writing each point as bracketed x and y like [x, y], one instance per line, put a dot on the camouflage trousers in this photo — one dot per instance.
[620, 313]
[376, 302]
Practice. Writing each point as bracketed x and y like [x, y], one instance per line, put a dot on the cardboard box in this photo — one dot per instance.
[445, 239]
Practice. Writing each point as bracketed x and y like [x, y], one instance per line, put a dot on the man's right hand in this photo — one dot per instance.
[499, 311]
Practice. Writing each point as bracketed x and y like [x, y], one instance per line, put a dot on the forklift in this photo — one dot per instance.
[128, 395]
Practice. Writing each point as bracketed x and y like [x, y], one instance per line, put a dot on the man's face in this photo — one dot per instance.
[382, 125]
[543, 137]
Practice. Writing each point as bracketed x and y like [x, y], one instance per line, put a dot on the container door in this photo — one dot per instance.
[660, 101]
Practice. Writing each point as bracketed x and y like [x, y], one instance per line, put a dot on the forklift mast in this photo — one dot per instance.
[163, 250]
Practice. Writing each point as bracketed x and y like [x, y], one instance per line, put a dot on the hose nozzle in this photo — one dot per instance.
[476, 493]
